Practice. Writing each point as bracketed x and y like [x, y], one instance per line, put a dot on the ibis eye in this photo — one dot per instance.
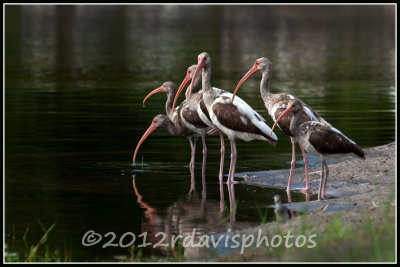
[257, 62]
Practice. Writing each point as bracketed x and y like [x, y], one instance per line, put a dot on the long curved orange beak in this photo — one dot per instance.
[283, 114]
[245, 77]
[200, 66]
[151, 129]
[155, 91]
[183, 85]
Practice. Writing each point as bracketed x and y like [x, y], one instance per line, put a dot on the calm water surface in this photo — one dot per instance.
[75, 78]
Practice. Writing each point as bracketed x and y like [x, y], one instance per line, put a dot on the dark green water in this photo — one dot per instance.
[75, 77]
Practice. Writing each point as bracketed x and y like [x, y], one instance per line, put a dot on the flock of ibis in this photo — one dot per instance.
[211, 110]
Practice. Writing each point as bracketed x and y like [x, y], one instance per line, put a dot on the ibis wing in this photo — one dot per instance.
[192, 117]
[328, 140]
[239, 116]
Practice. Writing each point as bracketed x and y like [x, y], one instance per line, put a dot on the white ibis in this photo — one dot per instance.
[196, 103]
[183, 111]
[170, 122]
[276, 104]
[235, 119]
[319, 139]
[190, 116]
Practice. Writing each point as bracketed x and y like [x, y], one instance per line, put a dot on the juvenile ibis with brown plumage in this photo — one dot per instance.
[319, 139]
[235, 119]
[276, 104]
[196, 102]
[171, 121]
[190, 116]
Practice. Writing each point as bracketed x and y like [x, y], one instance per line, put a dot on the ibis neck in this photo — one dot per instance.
[195, 85]
[206, 77]
[168, 104]
[264, 85]
[188, 91]
[170, 127]
[294, 123]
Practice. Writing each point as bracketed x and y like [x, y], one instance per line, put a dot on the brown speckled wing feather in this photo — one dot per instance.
[229, 116]
[327, 141]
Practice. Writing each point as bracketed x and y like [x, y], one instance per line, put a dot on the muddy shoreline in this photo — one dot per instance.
[352, 183]
[361, 190]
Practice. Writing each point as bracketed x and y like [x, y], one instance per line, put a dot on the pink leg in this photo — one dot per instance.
[290, 201]
[221, 164]
[230, 196]
[203, 200]
[192, 182]
[203, 169]
[232, 202]
[192, 191]
[233, 163]
[191, 164]
[213, 131]
[230, 169]
[308, 187]
[321, 183]
[292, 163]
[325, 181]
[221, 172]
[192, 142]
[289, 196]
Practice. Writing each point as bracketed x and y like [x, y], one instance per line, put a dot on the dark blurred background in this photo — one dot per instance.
[75, 77]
